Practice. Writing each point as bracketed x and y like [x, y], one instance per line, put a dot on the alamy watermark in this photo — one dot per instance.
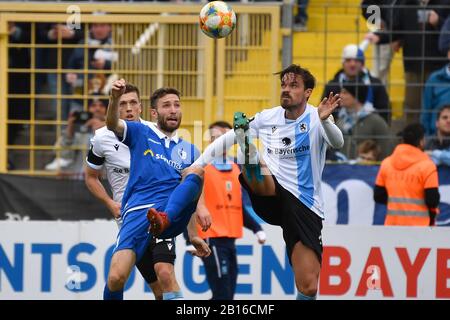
[73, 22]
[374, 18]
[73, 280]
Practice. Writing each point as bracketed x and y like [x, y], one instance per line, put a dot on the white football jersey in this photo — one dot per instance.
[107, 150]
[294, 151]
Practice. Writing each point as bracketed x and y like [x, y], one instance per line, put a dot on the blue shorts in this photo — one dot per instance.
[134, 233]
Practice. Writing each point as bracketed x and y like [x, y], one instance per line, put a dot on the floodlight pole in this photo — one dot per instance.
[286, 31]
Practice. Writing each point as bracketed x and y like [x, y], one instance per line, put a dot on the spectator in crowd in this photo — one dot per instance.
[80, 129]
[100, 57]
[48, 58]
[359, 121]
[437, 88]
[438, 148]
[408, 182]
[222, 203]
[353, 70]
[334, 155]
[382, 53]
[368, 151]
[416, 23]
[18, 83]
[301, 18]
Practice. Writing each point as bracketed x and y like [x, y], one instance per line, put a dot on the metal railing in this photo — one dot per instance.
[156, 45]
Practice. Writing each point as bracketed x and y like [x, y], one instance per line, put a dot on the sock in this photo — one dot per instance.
[173, 295]
[301, 296]
[112, 295]
[246, 145]
[183, 195]
[252, 167]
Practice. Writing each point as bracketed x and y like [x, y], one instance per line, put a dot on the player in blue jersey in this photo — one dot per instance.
[158, 160]
[284, 183]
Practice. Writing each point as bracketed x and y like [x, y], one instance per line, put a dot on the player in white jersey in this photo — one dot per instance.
[157, 263]
[284, 183]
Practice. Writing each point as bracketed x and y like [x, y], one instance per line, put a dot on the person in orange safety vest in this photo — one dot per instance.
[223, 202]
[408, 182]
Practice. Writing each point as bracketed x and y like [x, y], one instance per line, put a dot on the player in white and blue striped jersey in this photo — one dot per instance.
[284, 182]
[295, 136]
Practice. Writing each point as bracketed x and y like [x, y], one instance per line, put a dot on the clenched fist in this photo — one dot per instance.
[118, 88]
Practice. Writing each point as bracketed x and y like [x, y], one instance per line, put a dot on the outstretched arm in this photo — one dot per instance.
[112, 116]
[215, 149]
[332, 133]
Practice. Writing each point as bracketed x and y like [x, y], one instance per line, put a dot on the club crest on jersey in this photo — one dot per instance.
[182, 154]
[303, 127]
[286, 141]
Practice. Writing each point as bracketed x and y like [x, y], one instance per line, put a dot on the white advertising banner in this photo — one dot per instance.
[70, 260]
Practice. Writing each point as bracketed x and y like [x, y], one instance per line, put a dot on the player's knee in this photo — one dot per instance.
[197, 170]
[165, 276]
[116, 281]
[308, 286]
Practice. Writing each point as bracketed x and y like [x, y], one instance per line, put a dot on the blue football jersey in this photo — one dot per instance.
[156, 165]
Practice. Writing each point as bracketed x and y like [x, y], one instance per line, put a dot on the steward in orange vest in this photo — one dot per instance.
[408, 182]
[221, 202]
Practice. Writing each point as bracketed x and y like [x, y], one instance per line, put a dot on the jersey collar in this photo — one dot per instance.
[162, 135]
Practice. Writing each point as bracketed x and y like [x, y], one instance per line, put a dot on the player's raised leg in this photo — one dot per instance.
[183, 196]
[254, 169]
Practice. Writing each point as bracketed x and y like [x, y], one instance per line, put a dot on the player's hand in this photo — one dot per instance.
[204, 219]
[118, 88]
[114, 208]
[201, 247]
[328, 105]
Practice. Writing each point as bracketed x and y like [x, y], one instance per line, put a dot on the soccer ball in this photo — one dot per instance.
[217, 19]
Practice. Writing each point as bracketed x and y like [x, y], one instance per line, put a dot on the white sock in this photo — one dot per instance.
[253, 152]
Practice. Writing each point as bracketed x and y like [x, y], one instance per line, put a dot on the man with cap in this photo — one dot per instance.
[353, 70]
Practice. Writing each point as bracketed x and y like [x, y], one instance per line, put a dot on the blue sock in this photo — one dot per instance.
[112, 295]
[183, 195]
[173, 295]
[301, 296]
